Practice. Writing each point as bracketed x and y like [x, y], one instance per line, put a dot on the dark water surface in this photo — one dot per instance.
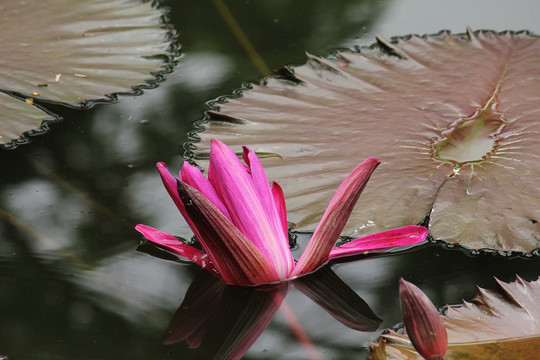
[72, 285]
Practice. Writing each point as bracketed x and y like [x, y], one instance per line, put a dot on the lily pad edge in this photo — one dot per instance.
[286, 72]
[170, 60]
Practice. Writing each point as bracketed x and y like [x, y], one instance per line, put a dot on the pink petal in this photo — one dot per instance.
[260, 181]
[173, 245]
[235, 257]
[279, 243]
[279, 200]
[408, 235]
[247, 207]
[193, 176]
[335, 217]
[170, 183]
[423, 323]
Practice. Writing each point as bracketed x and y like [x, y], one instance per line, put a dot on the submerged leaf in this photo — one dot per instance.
[498, 324]
[72, 51]
[453, 119]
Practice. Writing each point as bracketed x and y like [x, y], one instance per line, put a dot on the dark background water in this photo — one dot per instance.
[72, 285]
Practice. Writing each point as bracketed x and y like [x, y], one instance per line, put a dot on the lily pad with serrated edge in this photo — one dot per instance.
[12, 110]
[502, 324]
[453, 118]
[74, 52]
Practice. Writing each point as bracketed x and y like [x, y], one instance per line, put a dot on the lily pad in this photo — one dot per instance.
[72, 52]
[503, 323]
[12, 110]
[453, 118]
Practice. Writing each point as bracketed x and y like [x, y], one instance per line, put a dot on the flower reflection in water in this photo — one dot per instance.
[222, 321]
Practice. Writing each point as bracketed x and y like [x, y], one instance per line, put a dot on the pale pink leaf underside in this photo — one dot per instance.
[453, 118]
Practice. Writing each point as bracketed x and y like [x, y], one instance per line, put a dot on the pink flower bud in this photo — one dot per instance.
[422, 321]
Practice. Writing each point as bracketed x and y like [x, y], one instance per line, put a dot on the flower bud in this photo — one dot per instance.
[423, 323]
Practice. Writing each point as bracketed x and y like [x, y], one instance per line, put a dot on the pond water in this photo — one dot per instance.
[73, 286]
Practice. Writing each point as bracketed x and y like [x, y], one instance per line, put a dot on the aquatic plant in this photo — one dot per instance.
[90, 52]
[450, 131]
[500, 323]
[241, 221]
[422, 322]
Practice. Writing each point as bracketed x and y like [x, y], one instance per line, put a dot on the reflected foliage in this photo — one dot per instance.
[52, 317]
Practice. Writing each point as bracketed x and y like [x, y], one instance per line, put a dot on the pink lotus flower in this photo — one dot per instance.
[423, 323]
[241, 222]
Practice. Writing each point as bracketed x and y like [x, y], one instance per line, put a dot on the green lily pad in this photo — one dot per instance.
[72, 52]
[503, 323]
[453, 118]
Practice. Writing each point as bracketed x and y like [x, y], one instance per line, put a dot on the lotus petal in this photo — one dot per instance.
[408, 235]
[335, 217]
[236, 258]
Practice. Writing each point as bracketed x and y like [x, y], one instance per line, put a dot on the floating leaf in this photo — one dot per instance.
[18, 116]
[453, 118]
[498, 324]
[74, 51]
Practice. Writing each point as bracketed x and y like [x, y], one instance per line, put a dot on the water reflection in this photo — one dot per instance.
[326, 289]
[222, 321]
